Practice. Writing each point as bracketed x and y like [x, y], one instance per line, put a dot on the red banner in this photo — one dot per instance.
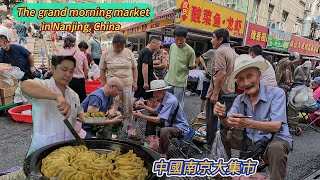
[256, 34]
[304, 46]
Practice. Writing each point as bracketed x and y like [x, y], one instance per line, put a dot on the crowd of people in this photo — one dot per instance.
[159, 76]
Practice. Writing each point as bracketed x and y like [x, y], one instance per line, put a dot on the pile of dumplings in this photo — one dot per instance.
[77, 162]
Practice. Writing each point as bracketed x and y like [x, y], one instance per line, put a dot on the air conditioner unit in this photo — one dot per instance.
[307, 7]
[271, 25]
[297, 28]
[232, 2]
[281, 26]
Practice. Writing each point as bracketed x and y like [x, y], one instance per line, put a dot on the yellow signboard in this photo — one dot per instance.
[147, 26]
[209, 16]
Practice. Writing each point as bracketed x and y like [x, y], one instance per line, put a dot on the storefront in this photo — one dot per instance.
[199, 17]
[202, 17]
[139, 33]
[279, 43]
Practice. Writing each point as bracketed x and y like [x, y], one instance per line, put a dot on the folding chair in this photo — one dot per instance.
[312, 123]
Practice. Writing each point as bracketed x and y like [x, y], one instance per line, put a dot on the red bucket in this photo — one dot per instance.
[93, 83]
[90, 89]
[15, 112]
[92, 86]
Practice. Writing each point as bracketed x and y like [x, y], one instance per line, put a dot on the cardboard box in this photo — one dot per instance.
[6, 92]
[4, 84]
[7, 100]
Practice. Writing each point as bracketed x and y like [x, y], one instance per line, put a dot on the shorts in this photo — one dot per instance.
[205, 89]
[96, 61]
[24, 39]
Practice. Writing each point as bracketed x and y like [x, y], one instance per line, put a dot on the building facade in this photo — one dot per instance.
[298, 17]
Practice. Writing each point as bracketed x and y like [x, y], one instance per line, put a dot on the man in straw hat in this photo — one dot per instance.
[169, 114]
[268, 122]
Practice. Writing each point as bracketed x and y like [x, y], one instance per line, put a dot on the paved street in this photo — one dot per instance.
[15, 140]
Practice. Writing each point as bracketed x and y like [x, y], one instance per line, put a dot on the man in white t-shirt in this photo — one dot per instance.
[268, 77]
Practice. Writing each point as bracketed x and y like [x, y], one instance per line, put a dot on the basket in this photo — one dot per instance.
[15, 112]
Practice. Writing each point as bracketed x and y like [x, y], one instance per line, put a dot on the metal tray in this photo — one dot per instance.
[32, 163]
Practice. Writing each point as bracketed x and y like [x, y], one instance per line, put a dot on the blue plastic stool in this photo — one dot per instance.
[189, 141]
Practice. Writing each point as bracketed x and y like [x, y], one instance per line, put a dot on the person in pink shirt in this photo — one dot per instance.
[315, 85]
[80, 73]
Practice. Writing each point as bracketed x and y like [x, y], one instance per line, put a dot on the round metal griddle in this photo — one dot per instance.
[32, 164]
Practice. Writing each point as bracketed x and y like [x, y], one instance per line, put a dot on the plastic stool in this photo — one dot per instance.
[189, 141]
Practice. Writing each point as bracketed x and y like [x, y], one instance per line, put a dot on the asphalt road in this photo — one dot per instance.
[16, 137]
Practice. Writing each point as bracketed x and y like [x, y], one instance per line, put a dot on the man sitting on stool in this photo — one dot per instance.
[169, 114]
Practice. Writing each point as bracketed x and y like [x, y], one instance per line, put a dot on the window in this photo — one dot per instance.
[255, 10]
[232, 4]
[270, 10]
[284, 16]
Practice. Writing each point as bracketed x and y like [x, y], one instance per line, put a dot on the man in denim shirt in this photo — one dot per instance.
[267, 107]
[169, 106]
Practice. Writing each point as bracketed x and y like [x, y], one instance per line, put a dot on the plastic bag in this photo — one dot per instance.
[13, 73]
[217, 150]
[19, 97]
[94, 72]
[134, 131]
[153, 142]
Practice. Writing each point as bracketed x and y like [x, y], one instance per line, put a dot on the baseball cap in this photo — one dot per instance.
[316, 80]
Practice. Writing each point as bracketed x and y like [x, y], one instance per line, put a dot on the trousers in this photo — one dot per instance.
[276, 153]
[166, 134]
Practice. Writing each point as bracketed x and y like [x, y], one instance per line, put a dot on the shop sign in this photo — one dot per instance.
[202, 14]
[304, 46]
[256, 34]
[278, 40]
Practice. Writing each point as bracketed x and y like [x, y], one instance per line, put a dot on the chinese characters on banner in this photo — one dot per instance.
[256, 34]
[206, 15]
[278, 40]
[205, 167]
[143, 27]
[304, 46]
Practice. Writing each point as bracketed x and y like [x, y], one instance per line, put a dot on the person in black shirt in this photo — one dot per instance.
[17, 55]
[145, 68]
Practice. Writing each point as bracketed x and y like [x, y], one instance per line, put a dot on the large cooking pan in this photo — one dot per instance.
[32, 163]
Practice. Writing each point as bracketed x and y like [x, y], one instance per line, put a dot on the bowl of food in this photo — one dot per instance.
[101, 159]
